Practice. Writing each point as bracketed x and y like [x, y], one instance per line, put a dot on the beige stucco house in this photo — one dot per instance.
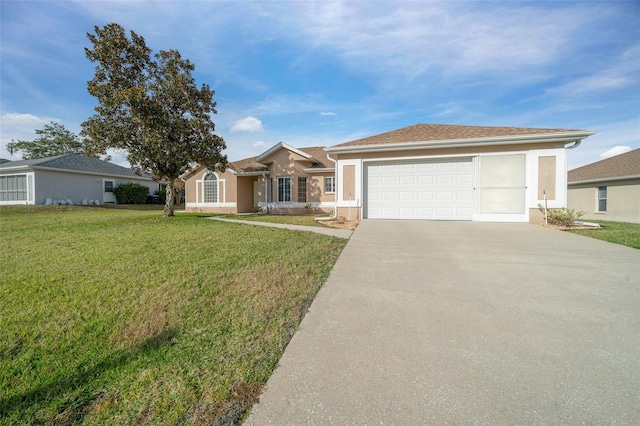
[608, 189]
[453, 172]
[283, 179]
[65, 177]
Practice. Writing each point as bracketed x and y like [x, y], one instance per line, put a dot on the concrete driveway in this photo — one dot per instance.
[466, 323]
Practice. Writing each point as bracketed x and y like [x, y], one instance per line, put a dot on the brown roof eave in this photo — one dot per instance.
[603, 179]
[567, 137]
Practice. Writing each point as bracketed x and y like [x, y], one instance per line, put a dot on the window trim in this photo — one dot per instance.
[332, 188]
[302, 189]
[216, 185]
[600, 199]
[284, 179]
[112, 186]
[18, 194]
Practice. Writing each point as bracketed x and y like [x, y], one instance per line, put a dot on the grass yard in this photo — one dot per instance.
[624, 233]
[305, 220]
[112, 316]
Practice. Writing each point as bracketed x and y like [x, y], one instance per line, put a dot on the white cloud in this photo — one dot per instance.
[247, 124]
[16, 126]
[259, 144]
[616, 150]
[413, 38]
[328, 113]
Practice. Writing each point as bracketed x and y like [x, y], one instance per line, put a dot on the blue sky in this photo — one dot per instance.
[321, 73]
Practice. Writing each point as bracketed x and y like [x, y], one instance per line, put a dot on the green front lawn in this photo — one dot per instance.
[112, 316]
[304, 220]
[624, 233]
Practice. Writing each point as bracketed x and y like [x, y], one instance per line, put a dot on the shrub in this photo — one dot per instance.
[562, 216]
[162, 193]
[131, 193]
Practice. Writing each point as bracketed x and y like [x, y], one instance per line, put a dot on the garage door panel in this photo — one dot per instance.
[406, 196]
[389, 180]
[426, 189]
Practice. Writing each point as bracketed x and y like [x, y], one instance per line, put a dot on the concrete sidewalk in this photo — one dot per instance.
[334, 232]
[465, 323]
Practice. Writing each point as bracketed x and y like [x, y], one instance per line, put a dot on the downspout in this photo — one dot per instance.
[575, 144]
[266, 193]
[335, 204]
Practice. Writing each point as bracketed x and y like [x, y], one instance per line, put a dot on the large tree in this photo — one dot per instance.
[54, 139]
[151, 107]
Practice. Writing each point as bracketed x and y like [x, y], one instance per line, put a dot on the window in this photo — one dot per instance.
[108, 186]
[602, 199]
[302, 189]
[330, 184]
[284, 189]
[13, 188]
[210, 186]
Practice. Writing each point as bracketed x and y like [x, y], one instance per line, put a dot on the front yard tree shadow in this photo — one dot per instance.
[74, 391]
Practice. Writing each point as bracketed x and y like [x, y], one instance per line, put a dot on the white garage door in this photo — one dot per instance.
[425, 189]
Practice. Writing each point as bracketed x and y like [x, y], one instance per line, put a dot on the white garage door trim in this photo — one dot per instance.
[437, 189]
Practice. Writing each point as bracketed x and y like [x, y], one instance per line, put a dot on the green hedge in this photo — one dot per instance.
[131, 193]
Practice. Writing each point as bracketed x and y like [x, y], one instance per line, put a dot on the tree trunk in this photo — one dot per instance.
[168, 205]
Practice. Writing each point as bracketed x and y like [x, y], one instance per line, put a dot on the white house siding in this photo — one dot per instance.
[77, 186]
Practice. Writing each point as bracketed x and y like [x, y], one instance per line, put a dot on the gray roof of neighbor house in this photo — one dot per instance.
[73, 162]
[623, 165]
[445, 132]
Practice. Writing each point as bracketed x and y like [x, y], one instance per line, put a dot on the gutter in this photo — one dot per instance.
[455, 143]
[27, 169]
[607, 179]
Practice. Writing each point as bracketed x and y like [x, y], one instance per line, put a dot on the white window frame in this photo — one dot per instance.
[215, 182]
[599, 199]
[15, 191]
[331, 179]
[284, 179]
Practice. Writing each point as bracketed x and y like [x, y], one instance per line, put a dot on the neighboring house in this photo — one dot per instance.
[64, 177]
[283, 179]
[453, 172]
[607, 189]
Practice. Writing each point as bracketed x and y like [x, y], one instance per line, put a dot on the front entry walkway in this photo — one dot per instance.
[334, 232]
[465, 323]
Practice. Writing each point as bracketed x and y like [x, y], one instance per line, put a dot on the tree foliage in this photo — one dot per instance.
[150, 106]
[54, 139]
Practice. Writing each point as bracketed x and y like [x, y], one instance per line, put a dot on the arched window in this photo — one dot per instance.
[210, 185]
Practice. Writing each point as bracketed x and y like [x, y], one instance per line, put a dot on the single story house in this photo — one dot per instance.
[454, 172]
[283, 179]
[607, 189]
[65, 177]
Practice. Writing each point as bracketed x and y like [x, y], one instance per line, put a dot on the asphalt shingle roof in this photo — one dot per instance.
[627, 164]
[74, 162]
[440, 132]
[317, 153]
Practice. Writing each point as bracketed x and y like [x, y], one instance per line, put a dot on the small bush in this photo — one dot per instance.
[162, 193]
[131, 193]
[562, 216]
